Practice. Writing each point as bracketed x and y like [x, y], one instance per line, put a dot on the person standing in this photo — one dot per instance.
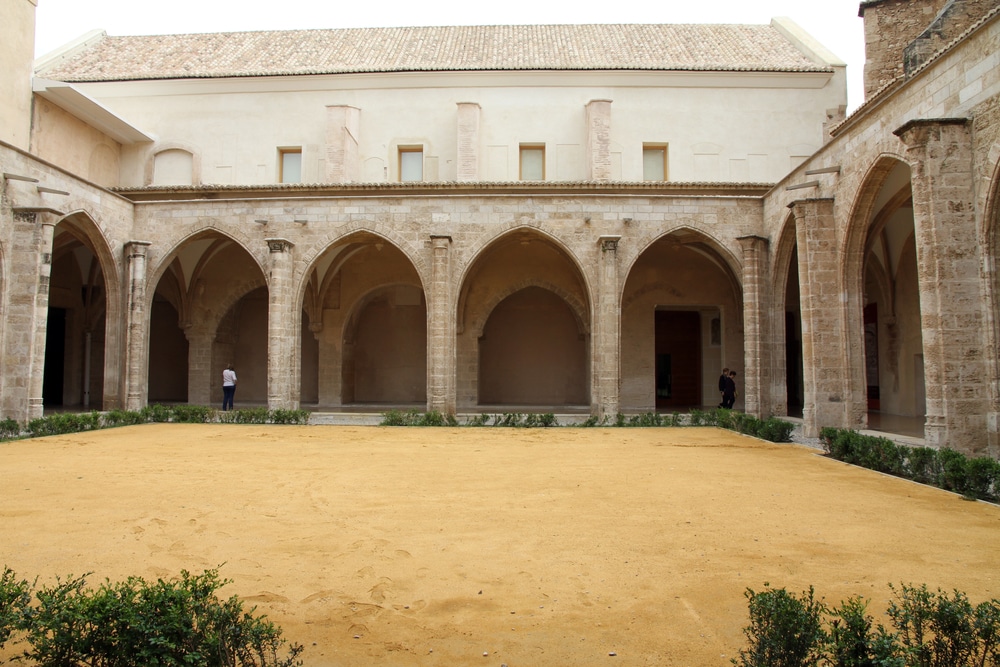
[228, 387]
[723, 382]
[729, 395]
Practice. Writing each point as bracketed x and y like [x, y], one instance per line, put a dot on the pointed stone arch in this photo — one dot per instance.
[336, 281]
[90, 361]
[882, 370]
[991, 278]
[515, 271]
[192, 289]
[681, 320]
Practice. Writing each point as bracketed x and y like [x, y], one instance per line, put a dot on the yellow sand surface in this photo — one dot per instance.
[488, 546]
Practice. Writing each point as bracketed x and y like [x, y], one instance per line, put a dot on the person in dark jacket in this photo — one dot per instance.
[723, 381]
[729, 395]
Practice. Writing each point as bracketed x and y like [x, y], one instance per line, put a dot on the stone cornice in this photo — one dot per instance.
[451, 189]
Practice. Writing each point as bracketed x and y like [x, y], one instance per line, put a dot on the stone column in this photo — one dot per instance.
[824, 357]
[599, 140]
[948, 264]
[468, 141]
[200, 366]
[282, 329]
[343, 161]
[26, 321]
[756, 341]
[606, 340]
[441, 393]
[136, 326]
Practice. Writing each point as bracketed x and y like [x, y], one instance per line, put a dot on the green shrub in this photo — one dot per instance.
[9, 429]
[922, 465]
[699, 418]
[250, 415]
[983, 478]
[283, 416]
[66, 422]
[114, 418]
[773, 429]
[479, 420]
[15, 597]
[941, 630]
[156, 413]
[852, 642]
[784, 630]
[192, 414]
[134, 623]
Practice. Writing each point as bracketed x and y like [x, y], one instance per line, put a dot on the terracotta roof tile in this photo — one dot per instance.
[658, 47]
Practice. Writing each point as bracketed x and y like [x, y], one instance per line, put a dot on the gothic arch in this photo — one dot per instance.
[82, 226]
[581, 305]
[702, 242]
[307, 262]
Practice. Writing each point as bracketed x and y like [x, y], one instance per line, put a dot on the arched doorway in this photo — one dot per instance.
[209, 309]
[892, 340]
[364, 327]
[523, 328]
[681, 325]
[77, 324]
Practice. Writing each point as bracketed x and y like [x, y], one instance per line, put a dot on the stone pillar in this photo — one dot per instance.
[441, 393]
[756, 327]
[27, 319]
[607, 332]
[200, 367]
[136, 326]
[599, 140]
[343, 160]
[948, 264]
[282, 329]
[824, 357]
[468, 141]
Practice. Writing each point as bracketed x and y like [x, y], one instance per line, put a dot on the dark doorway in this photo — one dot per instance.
[678, 359]
[871, 355]
[793, 362]
[55, 357]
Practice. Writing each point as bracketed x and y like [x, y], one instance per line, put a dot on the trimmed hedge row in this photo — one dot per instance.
[771, 429]
[75, 422]
[975, 477]
[927, 629]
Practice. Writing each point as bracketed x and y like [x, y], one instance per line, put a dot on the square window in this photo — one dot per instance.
[654, 162]
[289, 165]
[411, 163]
[532, 167]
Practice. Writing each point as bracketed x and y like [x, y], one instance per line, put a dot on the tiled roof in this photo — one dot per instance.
[658, 47]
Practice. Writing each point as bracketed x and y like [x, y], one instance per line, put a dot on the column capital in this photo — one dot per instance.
[917, 131]
[278, 245]
[753, 241]
[137, 248]
[609, 242]
[440, 240]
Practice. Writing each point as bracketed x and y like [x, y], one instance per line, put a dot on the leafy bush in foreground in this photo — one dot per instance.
[928, 629]
[136, 623]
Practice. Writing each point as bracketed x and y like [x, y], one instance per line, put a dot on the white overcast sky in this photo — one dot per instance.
[834, 23]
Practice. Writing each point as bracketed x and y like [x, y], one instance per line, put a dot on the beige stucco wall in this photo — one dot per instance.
[63, 139]
[780, 122]
[17, 49]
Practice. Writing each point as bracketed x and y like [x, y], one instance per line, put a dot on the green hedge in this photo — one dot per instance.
[73, 422]
[926, 629]
[975, 477]
[772, 429]
[136, 623]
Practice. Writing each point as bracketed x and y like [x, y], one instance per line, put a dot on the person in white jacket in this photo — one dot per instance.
[228, 387]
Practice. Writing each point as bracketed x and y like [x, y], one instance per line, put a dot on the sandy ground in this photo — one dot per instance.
[408, 546]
